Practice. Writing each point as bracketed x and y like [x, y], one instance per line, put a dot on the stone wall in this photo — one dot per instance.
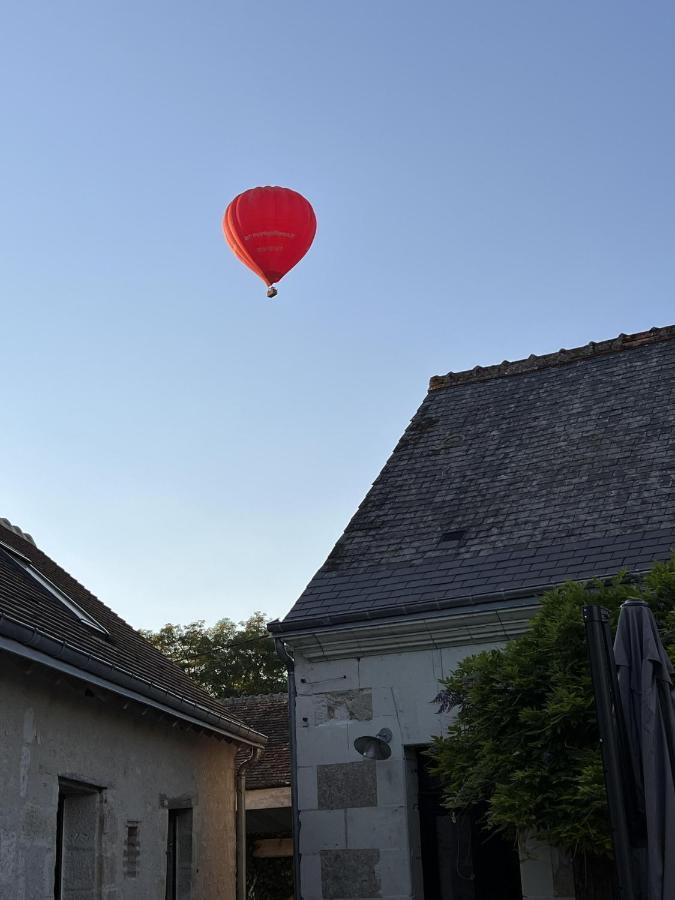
[359, 832]
[131, 769]
[355, 834]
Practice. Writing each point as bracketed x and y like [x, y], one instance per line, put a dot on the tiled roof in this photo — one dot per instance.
[27, 609]
[267, 713]
[513, 478]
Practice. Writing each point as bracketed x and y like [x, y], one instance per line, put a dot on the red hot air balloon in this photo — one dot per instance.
[269, 229]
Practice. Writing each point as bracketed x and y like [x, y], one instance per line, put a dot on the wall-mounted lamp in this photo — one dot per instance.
[374, 747]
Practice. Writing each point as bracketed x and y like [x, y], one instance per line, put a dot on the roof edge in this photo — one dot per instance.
[114, 677]
[550, 360]
[410, 611]
[18, 531]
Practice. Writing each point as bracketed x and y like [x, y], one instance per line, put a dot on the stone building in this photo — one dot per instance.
[117, 772]
[509, 480]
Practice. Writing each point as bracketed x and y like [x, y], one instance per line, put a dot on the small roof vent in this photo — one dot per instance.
[452, 537]
[15, 528]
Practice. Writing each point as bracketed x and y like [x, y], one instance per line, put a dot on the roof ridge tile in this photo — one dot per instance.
[563, 356]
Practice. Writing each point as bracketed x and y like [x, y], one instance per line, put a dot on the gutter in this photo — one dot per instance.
[283, 653]
[241, 820]
[414, 609]
[32, 644]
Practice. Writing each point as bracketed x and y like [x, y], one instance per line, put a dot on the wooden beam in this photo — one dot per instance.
[273, 847]
[268, 798]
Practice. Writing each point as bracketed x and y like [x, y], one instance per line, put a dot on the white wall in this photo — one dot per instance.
[402, 687]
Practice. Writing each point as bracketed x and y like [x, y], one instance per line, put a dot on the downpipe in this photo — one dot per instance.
[282, 652]
[256, 752]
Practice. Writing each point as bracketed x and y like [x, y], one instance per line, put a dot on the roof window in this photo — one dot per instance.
[51, 588]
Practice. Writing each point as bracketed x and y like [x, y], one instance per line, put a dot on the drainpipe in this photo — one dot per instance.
[241, 821]
[283, 653]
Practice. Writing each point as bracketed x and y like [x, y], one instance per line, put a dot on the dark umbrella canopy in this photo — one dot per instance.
[645, 686]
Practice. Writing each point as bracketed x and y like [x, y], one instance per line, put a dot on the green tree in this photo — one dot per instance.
[524, 743]
[228, 659]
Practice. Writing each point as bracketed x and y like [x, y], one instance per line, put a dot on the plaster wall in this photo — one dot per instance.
[51, 729]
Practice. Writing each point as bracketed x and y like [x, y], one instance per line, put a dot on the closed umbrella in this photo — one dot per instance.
[645, 690]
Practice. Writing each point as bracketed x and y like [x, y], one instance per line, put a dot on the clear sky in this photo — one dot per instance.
[491, 179]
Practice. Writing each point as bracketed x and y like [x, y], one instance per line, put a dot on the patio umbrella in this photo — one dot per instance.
[645, 686]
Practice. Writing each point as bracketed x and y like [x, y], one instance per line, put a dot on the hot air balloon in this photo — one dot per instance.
[269, 229]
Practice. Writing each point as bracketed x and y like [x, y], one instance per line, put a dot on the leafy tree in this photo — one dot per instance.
[227, 659]
[525, 741]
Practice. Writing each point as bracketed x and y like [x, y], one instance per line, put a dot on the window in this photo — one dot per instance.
[179, 855]
[51, 588]
[132, 850]
[77, 841]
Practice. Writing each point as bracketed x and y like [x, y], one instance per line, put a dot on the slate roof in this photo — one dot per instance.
[31, 615]
[267, 713]
[513, 478]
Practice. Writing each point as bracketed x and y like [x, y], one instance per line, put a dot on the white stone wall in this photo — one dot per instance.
[51, 729]
[335, 699]
[359, 835]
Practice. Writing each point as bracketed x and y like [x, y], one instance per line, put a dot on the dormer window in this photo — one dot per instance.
[52, 589]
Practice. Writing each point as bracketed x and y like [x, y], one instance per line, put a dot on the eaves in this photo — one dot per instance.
[34, 645]
[471, 625]
[472, 620]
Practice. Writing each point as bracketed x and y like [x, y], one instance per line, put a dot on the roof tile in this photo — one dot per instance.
[555, 467]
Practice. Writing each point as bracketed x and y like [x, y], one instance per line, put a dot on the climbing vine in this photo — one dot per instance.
[524, 742]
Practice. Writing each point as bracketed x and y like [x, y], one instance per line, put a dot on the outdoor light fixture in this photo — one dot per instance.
[374, 747]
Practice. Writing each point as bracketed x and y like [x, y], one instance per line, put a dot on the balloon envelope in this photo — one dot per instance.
[269, 229]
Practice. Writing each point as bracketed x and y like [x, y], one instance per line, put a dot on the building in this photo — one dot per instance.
[510, 479]
[117, 772]
[269, 826]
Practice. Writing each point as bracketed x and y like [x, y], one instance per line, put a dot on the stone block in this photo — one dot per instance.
[310, 876]
[326, 676]
[377, 828]
[322, 829]
[417, 712]
[327, 743]
[391, 782]
[346, 785]
[383, 702]
[402, 669]
[345, 706]
[305, 710]
[394, 874]
[349, 874]
[306, 784]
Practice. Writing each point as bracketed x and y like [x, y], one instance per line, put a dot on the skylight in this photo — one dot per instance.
[63, 598]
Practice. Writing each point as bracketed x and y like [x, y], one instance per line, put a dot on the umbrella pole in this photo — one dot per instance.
[603, 675]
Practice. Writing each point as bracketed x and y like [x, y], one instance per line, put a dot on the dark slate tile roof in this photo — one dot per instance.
[513, 478]
[24, 601]
[267, 713]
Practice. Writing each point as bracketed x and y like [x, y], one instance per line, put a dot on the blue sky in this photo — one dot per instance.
[490, 180]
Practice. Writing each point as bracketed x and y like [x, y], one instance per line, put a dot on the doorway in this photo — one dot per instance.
[179, 855]
[78, 833]
[459, 859]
